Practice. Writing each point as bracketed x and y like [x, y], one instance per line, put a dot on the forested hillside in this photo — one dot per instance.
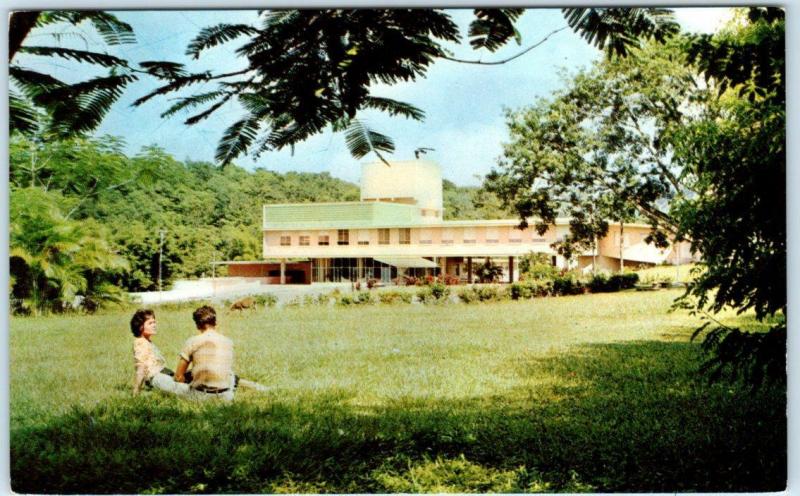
[86, 218]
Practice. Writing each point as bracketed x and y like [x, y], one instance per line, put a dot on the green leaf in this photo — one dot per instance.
[617, 30]
[362, 140]
[102, 59]
[215, 35]
[394, 107]
[236, 139]
[492, 28]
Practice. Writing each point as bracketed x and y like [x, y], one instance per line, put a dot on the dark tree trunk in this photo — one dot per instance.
[19, 26]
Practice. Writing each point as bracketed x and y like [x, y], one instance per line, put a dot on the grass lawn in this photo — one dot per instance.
[586, 393]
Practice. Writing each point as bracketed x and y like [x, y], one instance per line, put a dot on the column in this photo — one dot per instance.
[510, 269]
[283, 271]
[469, 270]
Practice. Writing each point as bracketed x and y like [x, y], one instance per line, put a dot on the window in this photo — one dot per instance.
[363, 242]
[425, 237]
[323, 240]
[344, 237]
[405, 236]
[447, 236]
[383, 236]
[305, 240]
[491, 235]
[286, 241]
[363, 237]
[469, 235]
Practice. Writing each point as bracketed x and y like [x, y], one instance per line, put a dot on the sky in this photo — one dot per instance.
[464, 103]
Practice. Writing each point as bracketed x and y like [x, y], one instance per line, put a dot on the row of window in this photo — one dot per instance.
[343, 238]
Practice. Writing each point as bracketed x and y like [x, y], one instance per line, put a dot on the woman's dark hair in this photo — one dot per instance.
[204, 317]
[138, 320]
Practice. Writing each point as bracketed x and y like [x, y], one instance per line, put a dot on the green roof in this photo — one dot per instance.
[342, 215]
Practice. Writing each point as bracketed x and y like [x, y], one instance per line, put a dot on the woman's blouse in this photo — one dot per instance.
[148, 361]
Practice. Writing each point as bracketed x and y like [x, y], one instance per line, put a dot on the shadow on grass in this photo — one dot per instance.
[618, 417]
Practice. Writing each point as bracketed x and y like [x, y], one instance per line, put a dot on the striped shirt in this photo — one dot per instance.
[211, 356]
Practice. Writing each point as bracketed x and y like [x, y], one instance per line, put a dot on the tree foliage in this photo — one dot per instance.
[689, 135]
[600, 149]
[39, 101]
[53, 258]
[115, 204]
[739, 223]
[306, 70]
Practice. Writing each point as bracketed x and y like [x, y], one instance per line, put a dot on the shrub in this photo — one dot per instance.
[519, 290]
[265, 300]
[481, 293]
[356, 298]
[567, 284]
[364, 298]
[319, 299]
[537, 266]
[389, 297]
[433, 293]
[489, 293]
[467, 294]
[371, 283]
[601, 283]
[627, 280]
[543, 287]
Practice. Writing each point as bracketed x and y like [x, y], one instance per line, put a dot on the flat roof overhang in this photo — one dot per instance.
[407, 262]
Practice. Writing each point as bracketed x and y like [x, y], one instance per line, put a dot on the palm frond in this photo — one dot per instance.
[163, 70]
[214, 35]
[111, 29]
[394, 107]
[102, 59]
[617, 30]
[22, 117]
[276, 17]
[80, 107]
[362, 140]
[492, 28]
[33, 83]
[173, 85]
[192, 101]
[237, 139]
[207, 112]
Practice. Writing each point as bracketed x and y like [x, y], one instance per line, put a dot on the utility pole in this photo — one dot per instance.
[160, 253]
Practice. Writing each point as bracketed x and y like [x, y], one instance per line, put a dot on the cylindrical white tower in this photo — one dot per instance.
[417, 182]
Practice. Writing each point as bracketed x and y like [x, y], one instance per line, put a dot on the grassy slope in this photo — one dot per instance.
[594, 392]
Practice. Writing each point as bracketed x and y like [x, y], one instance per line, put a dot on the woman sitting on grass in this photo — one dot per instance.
[149, 362]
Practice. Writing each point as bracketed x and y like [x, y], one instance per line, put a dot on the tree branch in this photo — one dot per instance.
[509, 59]
[662, 166]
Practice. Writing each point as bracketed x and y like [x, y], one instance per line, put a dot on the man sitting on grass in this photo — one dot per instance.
[211, 356]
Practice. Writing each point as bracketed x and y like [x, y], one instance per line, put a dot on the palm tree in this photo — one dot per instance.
[53, 258]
